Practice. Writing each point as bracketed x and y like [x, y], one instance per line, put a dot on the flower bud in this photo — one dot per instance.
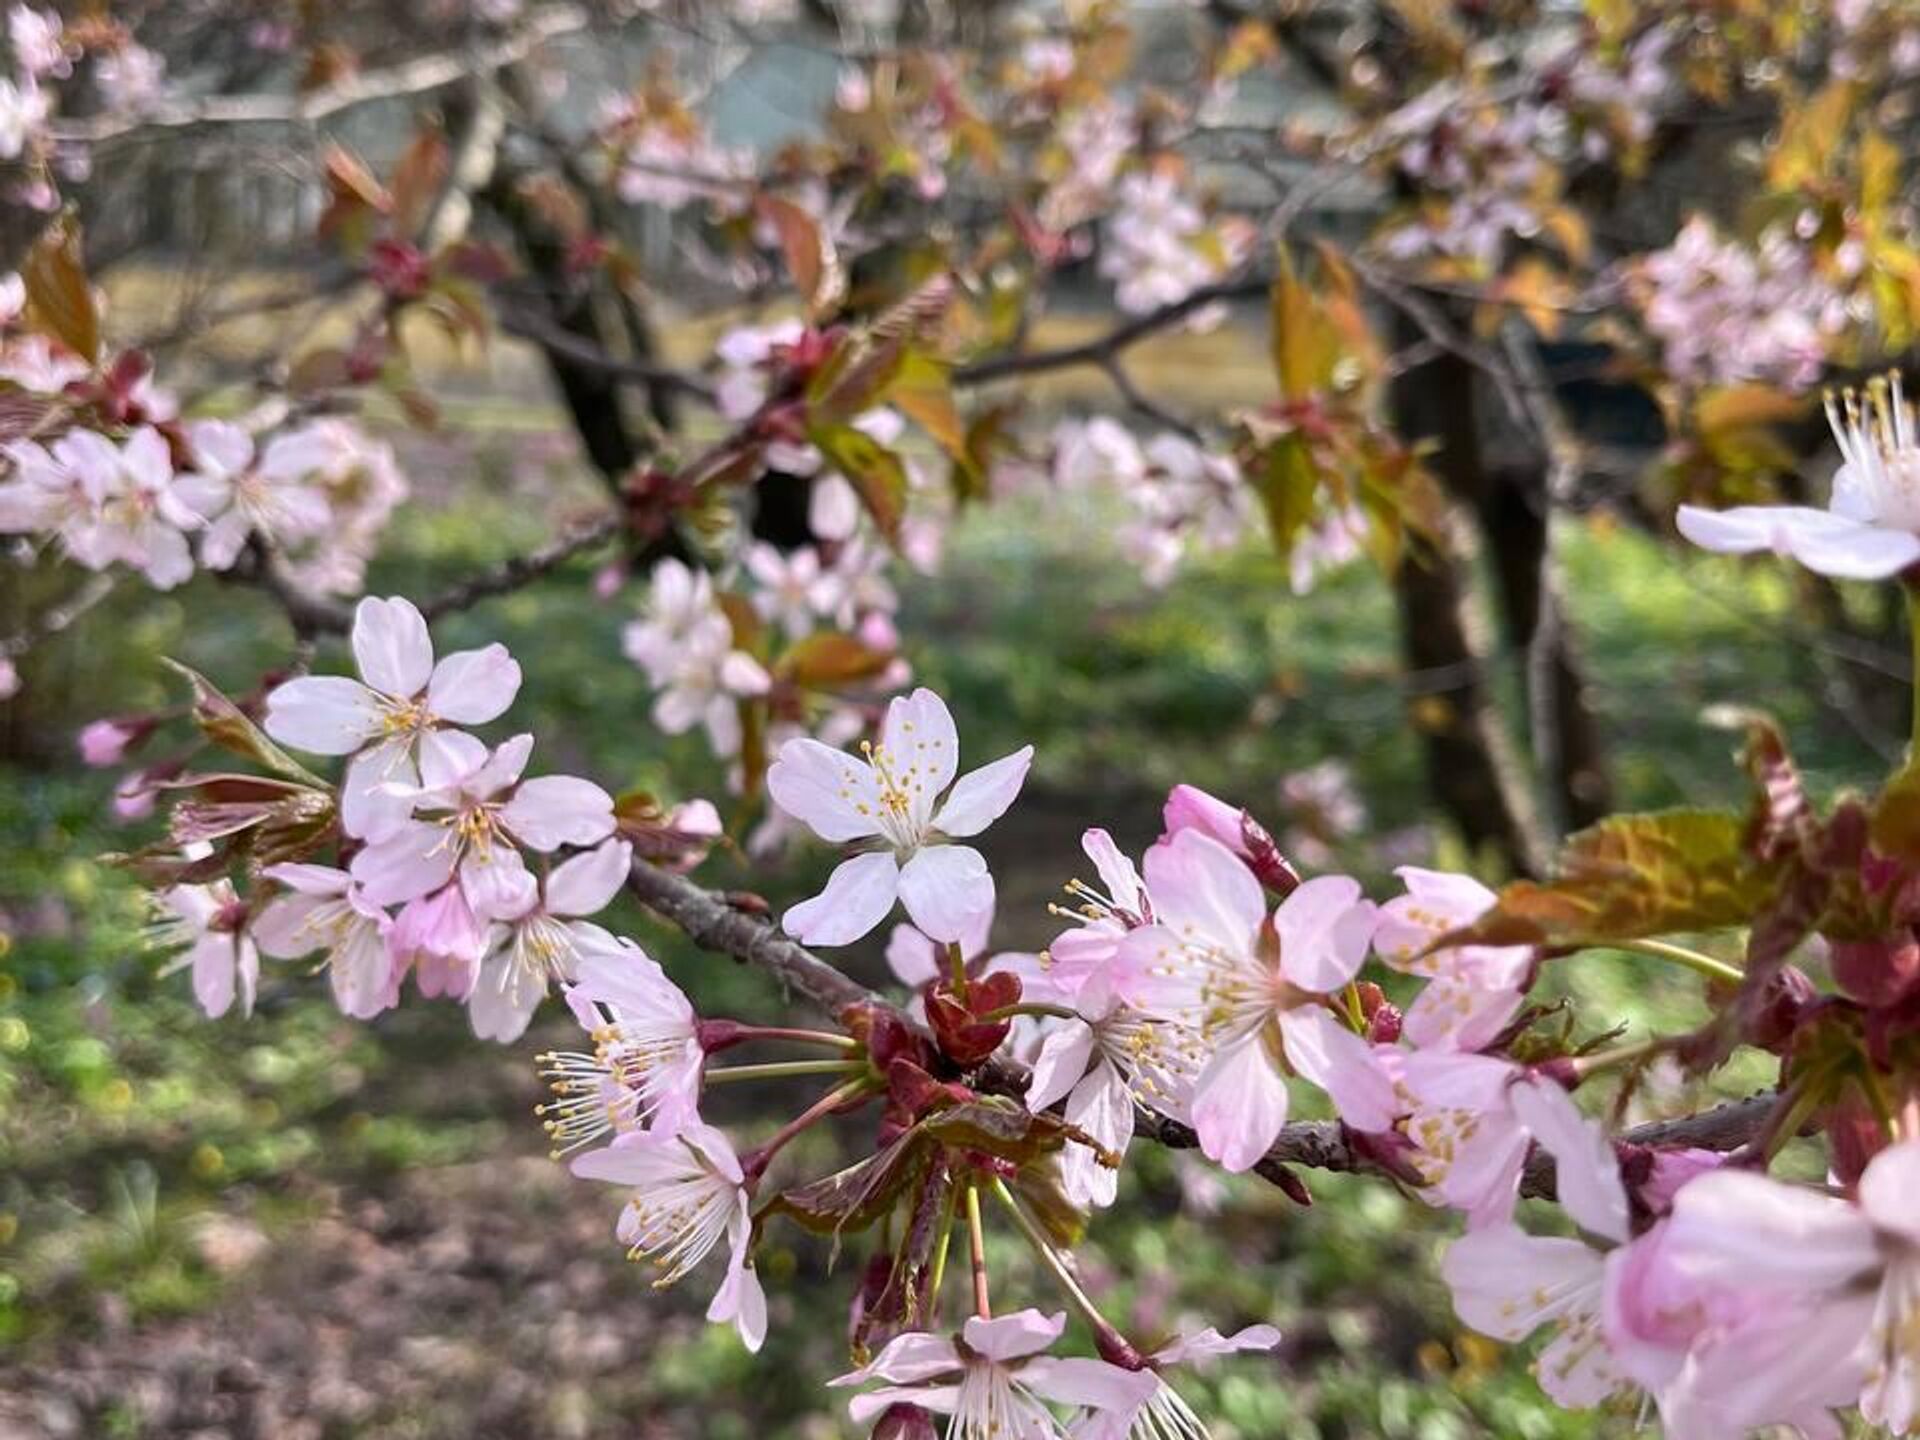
[905, 1422]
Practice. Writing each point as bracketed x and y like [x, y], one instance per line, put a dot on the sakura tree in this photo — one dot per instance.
[1447, 209]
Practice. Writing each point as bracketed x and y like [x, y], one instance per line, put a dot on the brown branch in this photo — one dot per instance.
[313, 615]
[415, 77]
[556, 338]
[715, 924]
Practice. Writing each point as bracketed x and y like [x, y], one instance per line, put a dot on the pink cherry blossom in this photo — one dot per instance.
[327, 911]
[1854, 1264]
[1870, 529]
[1256, 991]
[795, 590]
[396, 719]
[685, 644]
[1507, 1283]
[893, 797]
[208, 921]
[249, 501]
[1472, 991]
[441, 939]
[646, 1066]
[689, 1194]
[472, 824]
[995, 1380]
[547, 941]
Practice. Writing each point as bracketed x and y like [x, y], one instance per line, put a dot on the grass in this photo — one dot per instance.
[128, 1126]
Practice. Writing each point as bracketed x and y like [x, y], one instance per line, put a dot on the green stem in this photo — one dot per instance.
[779, 1069]
[959, 964]
[939, 1273]
[754, 1163]
[1050, 1257]
[1585, 1065]
[1680, 955]
[801, 1037]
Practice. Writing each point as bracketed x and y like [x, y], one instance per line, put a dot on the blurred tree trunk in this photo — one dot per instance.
[1475, 774]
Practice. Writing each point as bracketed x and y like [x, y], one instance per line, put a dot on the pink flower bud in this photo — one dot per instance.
[1189, 807]
[106, 743]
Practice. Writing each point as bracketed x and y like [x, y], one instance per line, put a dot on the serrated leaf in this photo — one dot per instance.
[1631, 877]
[877, 474]
[59, 296]
[1896, 815]
[922, 390]
[853, 1198]
[1288, 483]
[226, 725]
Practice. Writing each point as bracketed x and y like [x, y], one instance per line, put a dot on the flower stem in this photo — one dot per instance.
[1634, 1050]
[938, 1274]
[1031, 1007]
[959, 964]
[1680, 955]
[801, 1037]
[754, 1163]
[779, 1069]
[1111, 1340]
[977, 1239]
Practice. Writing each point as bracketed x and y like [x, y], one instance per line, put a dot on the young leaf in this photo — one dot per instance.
[59, 297]
[226, 725]
[877, 473]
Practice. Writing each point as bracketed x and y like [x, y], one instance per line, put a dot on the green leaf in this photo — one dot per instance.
[923, 392]
[879, 475]
[1895, 829]
[1288, 483]
[1631, 877]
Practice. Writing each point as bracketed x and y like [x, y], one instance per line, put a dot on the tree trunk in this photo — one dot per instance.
[1472, 767]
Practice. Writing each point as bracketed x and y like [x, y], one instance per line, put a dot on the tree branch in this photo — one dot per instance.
[415, 77]
[714, 923]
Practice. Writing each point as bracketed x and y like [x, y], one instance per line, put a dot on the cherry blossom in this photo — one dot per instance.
[795, 591]
[645, 1069]
[1257, 990]
[210, 922]
[1855, 1263]
[1870, 529]
[327, 911]
[689, 1194]
[546, 942]
[893, 796]
[248, 500]
[440, 938]
[361, 483]
[1472, 991]
[994, 1379]
[685, 644]
[396, 719]
[471, 819]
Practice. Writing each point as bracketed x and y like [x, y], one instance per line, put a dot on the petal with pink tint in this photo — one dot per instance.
[982, 796]
[368, 808]
[447, 757]
[907, 1359]
[412, 860]
[945, 889]
[586, 884]
[557, 810]
[391, 646]
[1324, 930]
[1012, 1337]
[1342, 1064]
[471, 687]
[1240, 1104]
[830, 792]
[920, 741]
[1743, 1229]
[323, 714]
[1890, 1191]
[1064, 1057]
[498, 884]
[1197, 881]
[1095, 1384]
[1588, 1172]
[858, 896]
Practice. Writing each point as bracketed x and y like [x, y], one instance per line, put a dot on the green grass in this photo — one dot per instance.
[125, 1120]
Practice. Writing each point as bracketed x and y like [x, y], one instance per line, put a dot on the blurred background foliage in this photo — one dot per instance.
[300, 1226]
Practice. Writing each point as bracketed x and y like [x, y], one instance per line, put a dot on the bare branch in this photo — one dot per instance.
[415, 77]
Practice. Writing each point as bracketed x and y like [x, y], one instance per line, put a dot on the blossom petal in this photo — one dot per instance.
[323, 714]
[1195, 880]
[1890, 1190]
[1753, 1232]
[368, 809]
[501, 1004]
[858, 896]
[1507, 1283]
[391, 646]
[1324, 929]
[1011, 1337]
[1239, 1102]
[471, 687]
[944, 888]
[1588, 1171]
[1064, 1057]
[982, 796]
[907, 1359]
[448, 757]
[922, 747]
[586, 884]
[557, 810]
[1342, 1064]
[411, 861]
[832, 793]
[1076, 1380]
[498, 884]
[1824, 542]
